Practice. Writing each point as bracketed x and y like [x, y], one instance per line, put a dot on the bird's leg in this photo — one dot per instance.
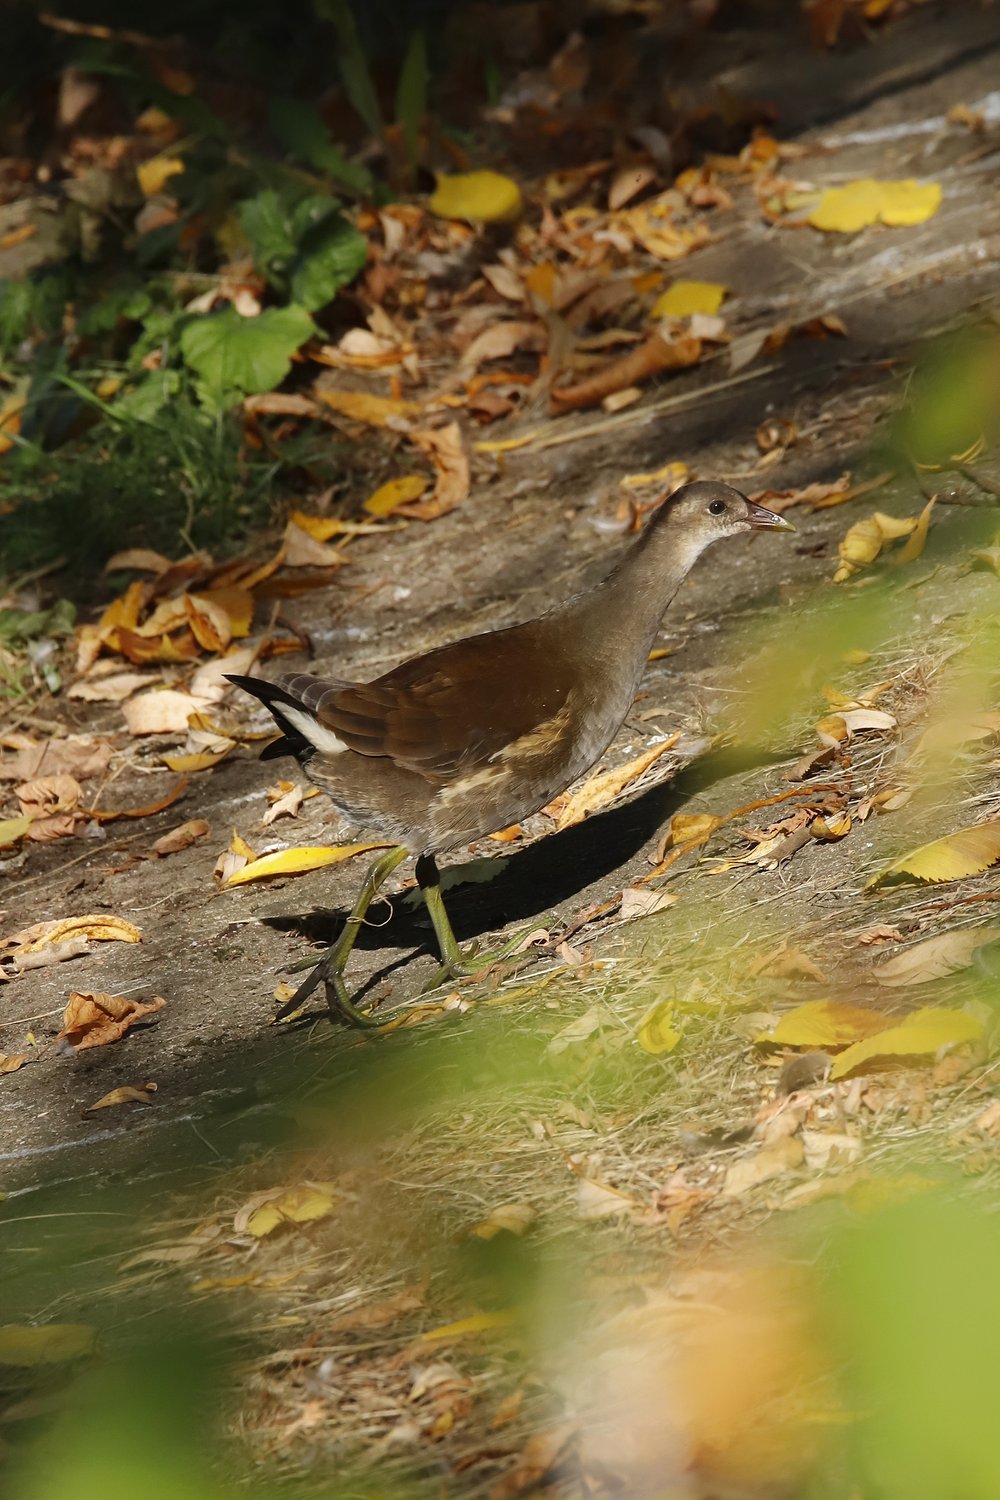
[330, 969]
[454, 963]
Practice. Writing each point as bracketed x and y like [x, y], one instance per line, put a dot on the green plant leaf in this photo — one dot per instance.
[233, 356]
[354, 69]
[300, 129]
[411, 93]
[331, 256]
[266, 223]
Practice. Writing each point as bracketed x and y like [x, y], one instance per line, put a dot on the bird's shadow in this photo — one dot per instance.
[531, 881]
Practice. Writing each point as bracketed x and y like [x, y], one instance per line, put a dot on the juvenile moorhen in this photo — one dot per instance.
[473, 736]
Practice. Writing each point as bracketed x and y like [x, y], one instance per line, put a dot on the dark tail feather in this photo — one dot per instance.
[291, 741]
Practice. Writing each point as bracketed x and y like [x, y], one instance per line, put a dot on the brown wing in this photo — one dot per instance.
[454, 708]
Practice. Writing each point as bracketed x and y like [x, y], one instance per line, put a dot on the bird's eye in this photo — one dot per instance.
[717, 508]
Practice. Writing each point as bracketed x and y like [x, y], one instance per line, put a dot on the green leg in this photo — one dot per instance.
[330, 969]
[454, 963]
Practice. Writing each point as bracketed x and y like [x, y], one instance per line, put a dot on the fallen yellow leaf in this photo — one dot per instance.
[597, 791]
[201, 760]
[657, 1033]
[299, 861]
[509, 1218]
[154, 175]
[821, 1024]
[395, 492]
[296, 1205]
[683, 298]
[477, 1323]
[846, 209]
[482, 197]
[919, 1035]
[97, 929]
[670, 476]
[970, 851]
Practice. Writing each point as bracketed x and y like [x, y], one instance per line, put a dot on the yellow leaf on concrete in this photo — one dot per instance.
[684, 298]
[917, 539]
[670, 476]
[97, 929]
[970, 851]
[482, 197]
[200, 760]
[597, 791]
[51, 1343]
[154, 175]
[395, 492]
[822, 1024]
[299, 861]
[846, 209]
[919, 1035]
[657, 1033]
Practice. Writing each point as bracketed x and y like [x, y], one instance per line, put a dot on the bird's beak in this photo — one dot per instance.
[766, 520]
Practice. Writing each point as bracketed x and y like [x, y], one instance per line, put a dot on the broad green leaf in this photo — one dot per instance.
[970, 851]
[919, 1035]
[822, 1024]
[329, 258]
[411, 95]
[299, 861]
[234, 357]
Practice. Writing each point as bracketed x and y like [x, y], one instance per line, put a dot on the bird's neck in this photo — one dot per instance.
[642, 584]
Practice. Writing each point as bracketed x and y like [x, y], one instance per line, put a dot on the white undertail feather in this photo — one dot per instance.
[316, 733]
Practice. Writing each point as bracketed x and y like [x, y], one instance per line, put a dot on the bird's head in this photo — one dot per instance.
[708, 511]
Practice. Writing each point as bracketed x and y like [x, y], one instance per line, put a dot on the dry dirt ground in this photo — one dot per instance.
[497, 1101]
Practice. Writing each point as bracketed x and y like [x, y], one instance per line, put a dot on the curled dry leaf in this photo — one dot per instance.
[95, 929]
[95, 1019]
[921, 1035]
[180, 838]
[651, 357]
[866, 539]
[640, 901]
[955, 732]
[76, 755]
[598, 791]
[935, 957]
[782, 1155]
[595, 1200]
[285, 805]
[970, 851]
[503, 339]
[835, 729]
[657, 1033]
[508, 1218]
[127, 1094]
[199, 760]
[232, 860]
[362, 406]
[113, 689]
[446, 450]
[162, 711]
[299, 861]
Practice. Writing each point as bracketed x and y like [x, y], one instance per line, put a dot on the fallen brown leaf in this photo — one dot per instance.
[446, 450]
[649, 358]
[180, 838]
[95, 1019]
[127, 1094]
[597, 791]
